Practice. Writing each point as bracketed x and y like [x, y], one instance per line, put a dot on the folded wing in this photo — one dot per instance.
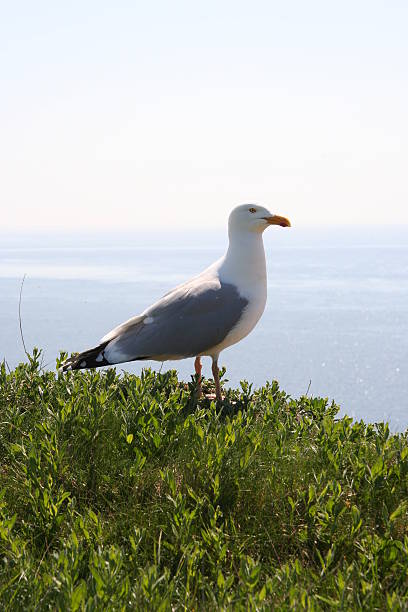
[186, 322]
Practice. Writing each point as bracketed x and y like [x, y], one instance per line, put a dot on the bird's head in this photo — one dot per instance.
[254, 218]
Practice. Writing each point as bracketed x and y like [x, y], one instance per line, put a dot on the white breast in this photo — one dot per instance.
[244, 266]
[246, 324]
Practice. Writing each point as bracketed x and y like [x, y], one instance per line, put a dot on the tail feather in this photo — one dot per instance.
[91, 358]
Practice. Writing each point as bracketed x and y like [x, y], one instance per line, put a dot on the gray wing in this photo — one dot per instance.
[186, 322]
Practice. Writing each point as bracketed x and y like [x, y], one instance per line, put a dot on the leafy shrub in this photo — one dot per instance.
[124, 492]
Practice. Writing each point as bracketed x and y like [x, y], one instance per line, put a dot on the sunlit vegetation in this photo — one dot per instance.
[124, 492]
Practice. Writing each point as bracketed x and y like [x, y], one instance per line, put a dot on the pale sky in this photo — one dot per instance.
[168, 113]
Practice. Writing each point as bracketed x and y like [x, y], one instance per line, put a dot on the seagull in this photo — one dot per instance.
[204, 315]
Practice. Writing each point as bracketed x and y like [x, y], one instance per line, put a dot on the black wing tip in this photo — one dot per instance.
[87, 359]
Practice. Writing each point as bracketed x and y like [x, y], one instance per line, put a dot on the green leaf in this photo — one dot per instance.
[355, 514]
[220, 580]
[262, 593]
[328, 600]
[97, 577]
[399, 511]
[93, 516]
[377, 468]
[78, 596]
[200, 431]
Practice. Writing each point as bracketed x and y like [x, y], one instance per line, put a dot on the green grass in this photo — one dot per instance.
[122, 492]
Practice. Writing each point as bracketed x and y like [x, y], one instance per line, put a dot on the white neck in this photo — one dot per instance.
[244, 261]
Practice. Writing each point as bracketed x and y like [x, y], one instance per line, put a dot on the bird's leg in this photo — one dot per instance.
[216, 375]
[197, 366]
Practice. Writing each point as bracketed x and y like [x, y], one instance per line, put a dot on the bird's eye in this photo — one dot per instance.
[252, 210]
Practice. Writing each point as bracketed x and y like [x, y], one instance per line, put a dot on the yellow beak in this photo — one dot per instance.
[277, 220]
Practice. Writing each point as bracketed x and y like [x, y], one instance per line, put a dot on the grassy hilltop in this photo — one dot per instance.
[120, 492]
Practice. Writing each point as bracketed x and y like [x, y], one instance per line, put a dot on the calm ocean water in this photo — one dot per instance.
[337, 311]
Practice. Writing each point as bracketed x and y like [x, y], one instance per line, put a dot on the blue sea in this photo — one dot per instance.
[335, 325]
